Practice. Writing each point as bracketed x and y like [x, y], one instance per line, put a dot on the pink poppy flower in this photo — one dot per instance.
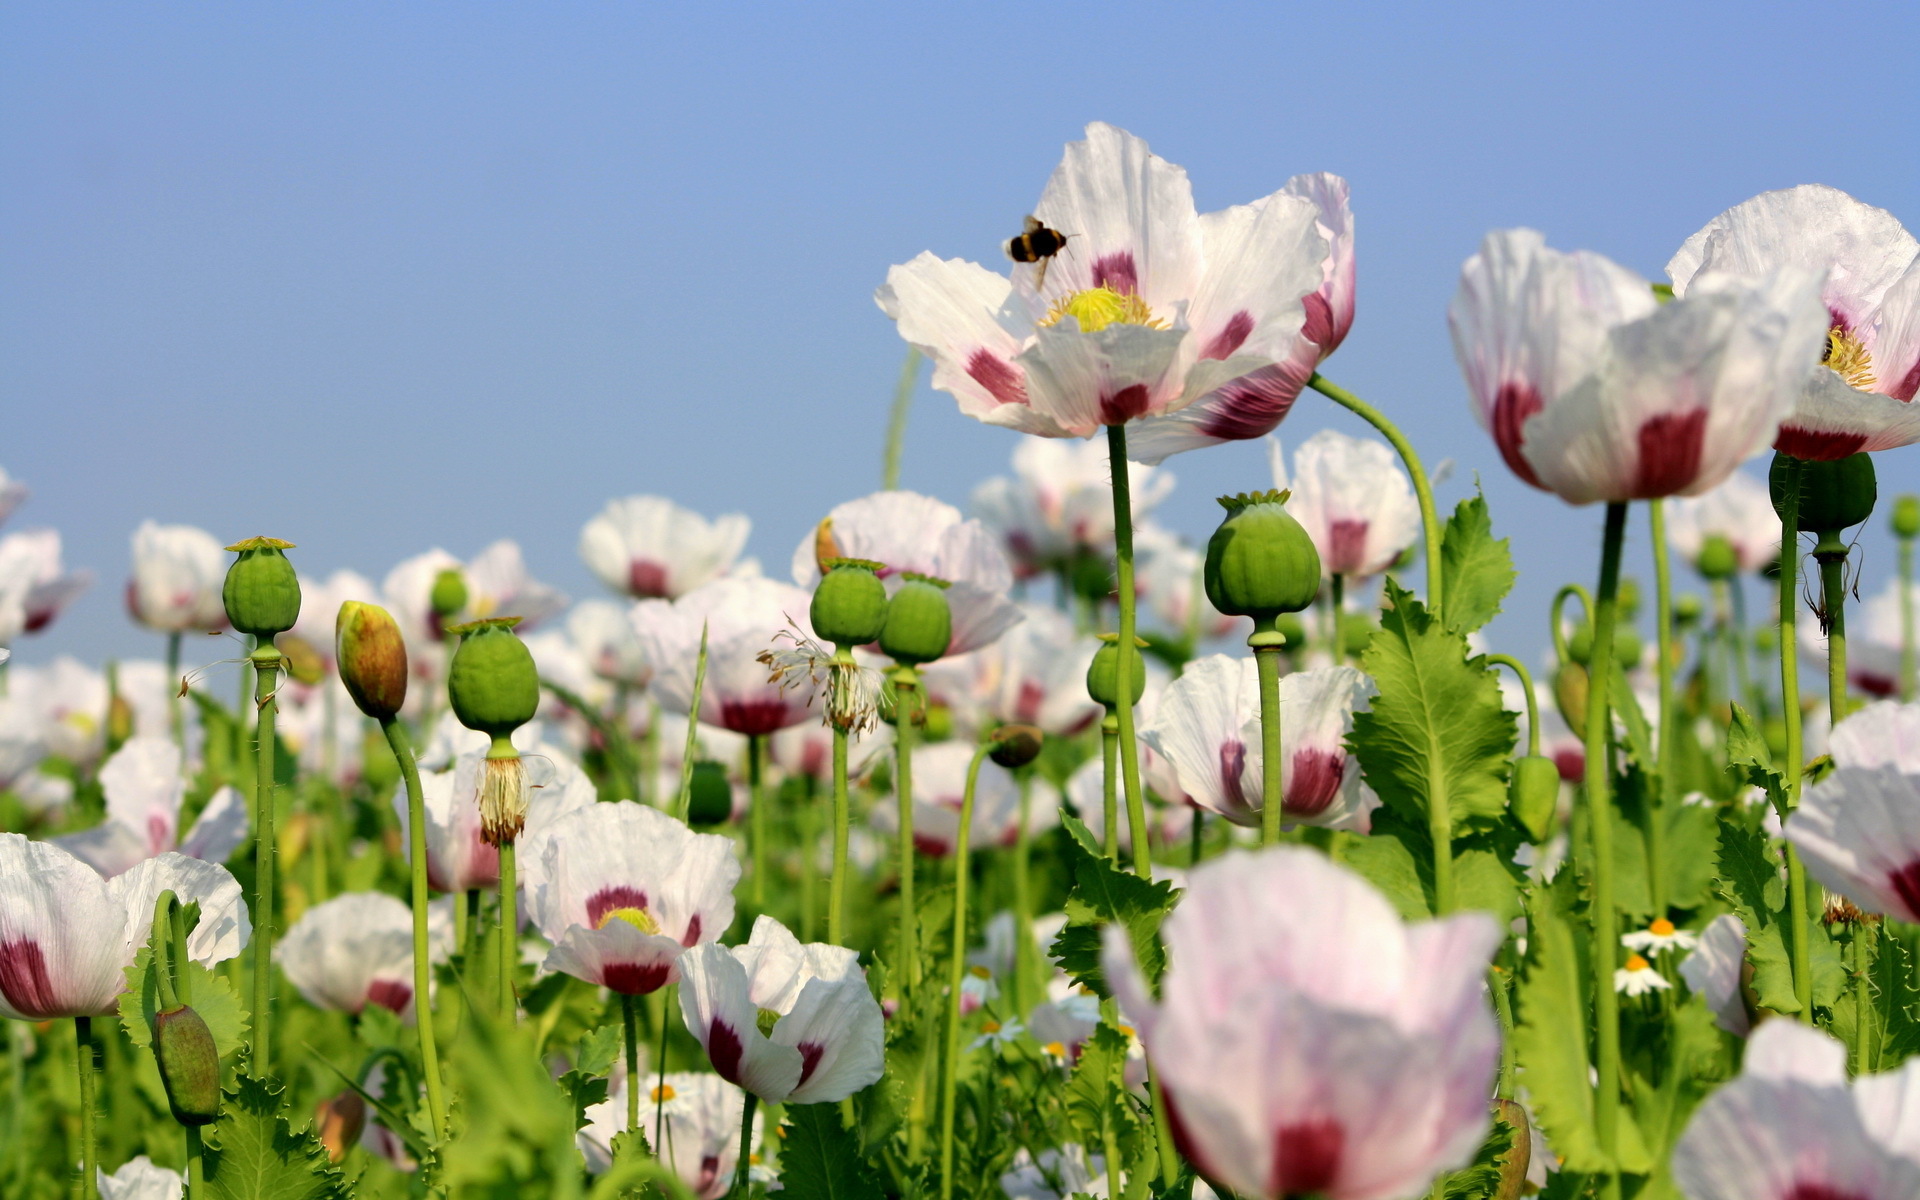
[145, 790]
[357, 949]
[1058, 503]
[743, 616]
[1858, 831]
[650, 548]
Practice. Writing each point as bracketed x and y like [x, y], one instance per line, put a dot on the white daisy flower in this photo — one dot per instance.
[996, 1034]
[1661, 935]
[1638, 978]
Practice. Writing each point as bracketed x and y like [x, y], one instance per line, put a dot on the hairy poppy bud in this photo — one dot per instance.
[1687, 610]
[1103, 682]
[339, 1121]
[1906, 516]
[1834, 495]
[189, 1065]
[1513, 1167]
[1014, 746]
[372, 657]
[449, 595]
[262, 593]
[919, 624]
[493, 685]
[1260, 561]
[1534, 793]
[1570, 694]
[1718, 559]
[850, 604]
[709, 795]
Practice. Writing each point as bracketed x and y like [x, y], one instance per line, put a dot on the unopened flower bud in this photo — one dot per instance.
[935, 720]
[493, 684]
[1906, 516]
[1570, 694]
[1533, 794]
[1014, 746]
[449, 595]
[1260, 561]
[189, 1065]
[709, 795]
[262, 592]
[850, 604]
[1103, 681]
[1519, 1156]
[1627, 646]
[372, 657]
[120, 719]
[919, 624]
[1627, 597]
[1718, 559]
[339, 1121]
[1687, 609]
[300, 659]
[1834, 495]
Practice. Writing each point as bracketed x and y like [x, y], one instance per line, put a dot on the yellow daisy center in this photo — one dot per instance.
[663, 1093]
[1125, 1029]
[1636, 963]
[639, 918]
[1097, 308]
[991, 1027]
[1661, 928]
[1848, 358]
[1055, 1049]
[980, 972]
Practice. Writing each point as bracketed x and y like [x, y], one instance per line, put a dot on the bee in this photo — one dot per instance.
[1037, 244]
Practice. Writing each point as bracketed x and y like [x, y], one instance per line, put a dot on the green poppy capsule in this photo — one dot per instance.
[262, 592]
[850, 604]
[493, 685]
[919, 623]
[1260, 561]
[189, 1065]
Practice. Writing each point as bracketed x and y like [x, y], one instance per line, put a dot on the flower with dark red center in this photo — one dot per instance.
[623, 890]
[67, 934]
[1196, 328]
[34, 586]
[1858, 831]
[650, 548]
[1307, 1040]
[1791, 1128]
[1594, 390]
[1354, 500]
[1058, 504]
[357, 949]
[144, 790]
[742, 617]
[791, 1023]
[939, 786]
[1034, 674]
[699, 1116]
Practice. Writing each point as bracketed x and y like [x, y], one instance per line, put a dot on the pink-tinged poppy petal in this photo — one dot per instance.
[699, 1117]
[939, 783]
[1714, 968]
[1889, 1106]
[1354, 500]
[1739, 510]
[1321, 785]
[617, 956]
[1200, 727]
[719, 1013]
[144, 789]
[742, 618]
[357, 949]
[177, 575]
[1883, 734]
[1263, 260]
[1082, 381]
[1831, 420]
[224, 928]
[1237, 404]
[109, 847]
[1896, 348]
[837, 1027]
[1329, 310]
[220, 828]
[63, 938]
[1858, 831]
[649, 547]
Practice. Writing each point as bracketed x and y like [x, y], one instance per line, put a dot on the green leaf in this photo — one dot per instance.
[1626, 706]
[253, 1154]
[1388, 862]
[1105, 895]
[1747, 753]
[1479, 568]
[1096, 1095]
[1550, 1038]
[1436, 732]
[211, 995]
[1480, 1179]
[599, 1050]
[820, 1158]
[1485, 879]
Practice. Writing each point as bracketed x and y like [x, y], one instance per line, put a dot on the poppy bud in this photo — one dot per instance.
[709, 796]
[493, 685]
[1834, 495]
[189, 1065]
[1627, 646]
[449, 596]
[1260, 561]
[372, 657]
[300, 659]
[120, 719]
[1513, 1167]
[1015, 746]
[1906, 516]
[1687, 609]
[919, 624]
[339, 1121]
[262, 593]
[1718, 558]
[1534, 793]
[850, 604]
[935, 720]
[1103, 682]
[1570, 694]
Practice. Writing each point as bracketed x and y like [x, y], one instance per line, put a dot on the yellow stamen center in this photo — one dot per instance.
[991, 1027]
[1661, 928]
[1055, 1049]
[980, 972]
[1097, 308]
[663, 1093]
[1126, 1029]
[1636, 963]
[1848, 358]
[639, 918]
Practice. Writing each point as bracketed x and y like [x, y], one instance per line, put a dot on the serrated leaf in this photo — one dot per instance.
[1095, 1099]
[1483, 879]
[820, 1158]
[1748, 755]
[253, 1154]
[599, 1050]
[1105, 895]
[1480, 1179]
[1479, 567]
[1387, 861]
[1436, 732]
[1550, 1039]
[211, 995]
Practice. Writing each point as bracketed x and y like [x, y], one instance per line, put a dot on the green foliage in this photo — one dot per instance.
[1480, 1179]
[253, 1154]
[1479, 567]
[513, 1126]
[820, 1157]
[212, 996]
[1550, 1038]
[1748, 756]
[1105, 895]
[1751, 882]
[1097, 1103]
[1436, 731]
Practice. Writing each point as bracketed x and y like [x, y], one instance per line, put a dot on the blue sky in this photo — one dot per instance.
[375, 278]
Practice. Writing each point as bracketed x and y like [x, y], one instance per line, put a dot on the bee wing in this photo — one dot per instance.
[1031, 224]
[1040, 274]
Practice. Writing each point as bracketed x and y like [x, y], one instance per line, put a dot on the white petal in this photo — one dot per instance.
[219, 830]
[837, 1026]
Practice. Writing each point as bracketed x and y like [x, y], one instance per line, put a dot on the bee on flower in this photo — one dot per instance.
[1638, 977]
[1659, 936]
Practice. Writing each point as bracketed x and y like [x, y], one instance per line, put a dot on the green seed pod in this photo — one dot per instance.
[1015, 746]
[189, 1065]
[710, 796]
[850, 605]
[449, 596]
[1906, 516]
[935, 721]
[262, 593]
[919, 624]
[1627, 646]
[493, 685]
[1356, 633]
[1834, 495]
[1533, 794]
[1260, 561]
[1718, 558]
[1627, 598]
[1103, 682]
[372, 658]
[1688, 609]
[1570, 695]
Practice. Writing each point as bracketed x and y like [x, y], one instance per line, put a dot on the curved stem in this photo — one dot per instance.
[1909, 663]
[632, 1028]
[266, 665]
[1599, 800]
[1533, 704]
[1498, 982]
[739, 1189]
[1557, 627]
[422, 963]
[1798, 921]
[1109, 785]
[904, 682]
[1654, 811]
[956, 973]
[1123, 662]
[509, 932]
[837, 886]
[88, 1059]
[1267, 642]
[1422, 489]
[757, 818]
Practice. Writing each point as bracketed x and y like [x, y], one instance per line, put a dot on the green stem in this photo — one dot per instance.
[739, 1190]
[1026, 966]
[1422, 489]
[266, 665]
[904, 682]
[1599, 800]
[164, 965]
[665, 1006]
[837, 886]
[1909, 670]
[176, 719]
[633, 1061]
[1799, 922]
[420, 899]
[1110, 784]
[509, 933]
[470, 942]
[88, 1059]
[1498, 982]
[897, 421]
[1831, 553]
[1197, 838]
[1863, 930]
[693, 729]
[1336, 592]
[1267, 642]
[196, 1159]
[809, 823]
[1556, 626]
[956, 973]
[612, 734]
[1654, 812]
[1533, 704]
[757, 819]
[1123, 662]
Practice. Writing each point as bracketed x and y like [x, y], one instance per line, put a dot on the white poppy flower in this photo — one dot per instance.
[743, 617]
[700, 1137]
[178, 571]
[1354, 499]
[34, 586]
[939, 788]
[1739, 510]
[1858, 832]
[1058, 503]
[1035, 674]
[357, 949]
[139, 1179]
[145, 788]
[458, 858]
[650, 548]
[1713, 970]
